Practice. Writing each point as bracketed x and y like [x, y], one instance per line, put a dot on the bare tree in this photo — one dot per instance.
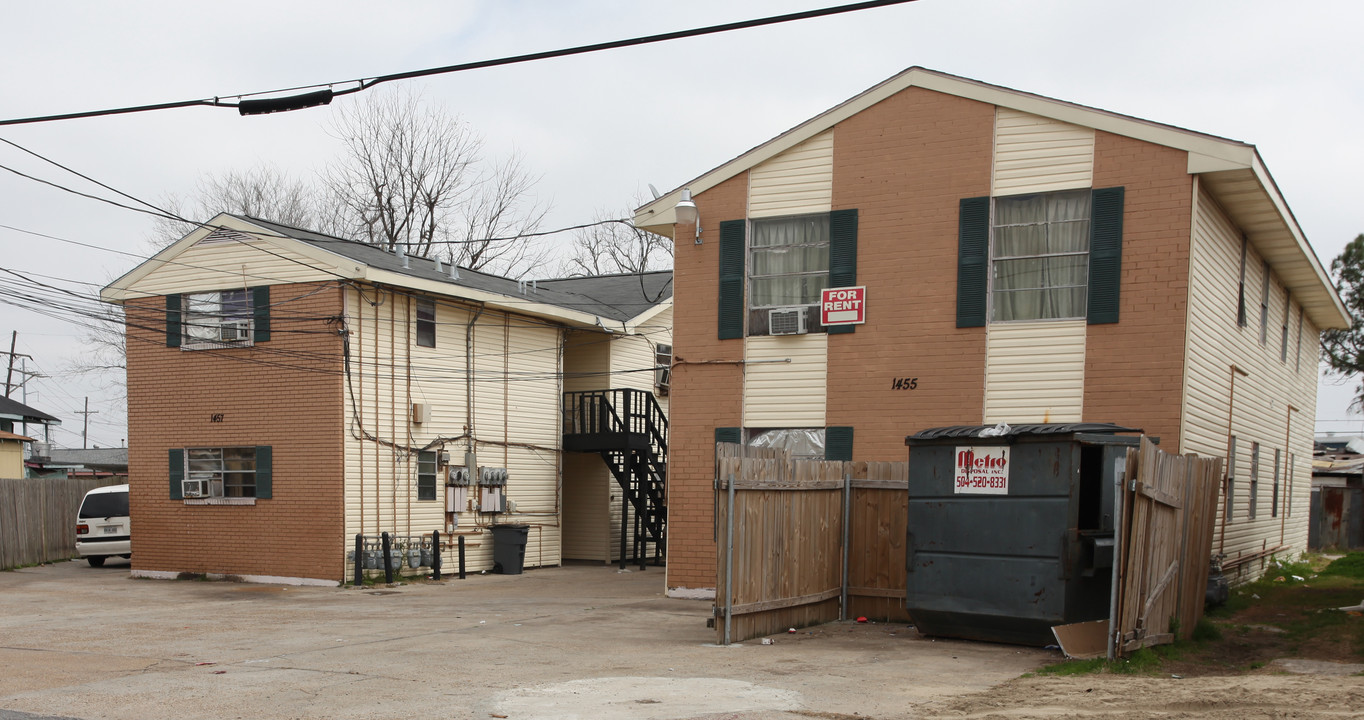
[414, 175]
[616, 247]
[263, 191]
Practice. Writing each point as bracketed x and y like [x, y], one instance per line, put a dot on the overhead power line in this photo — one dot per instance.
[322, 93]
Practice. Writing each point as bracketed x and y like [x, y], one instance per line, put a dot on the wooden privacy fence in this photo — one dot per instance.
[1169, 509]
[38, 518]
[805, 542]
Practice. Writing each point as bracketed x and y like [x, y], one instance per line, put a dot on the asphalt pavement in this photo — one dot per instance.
[573, 642]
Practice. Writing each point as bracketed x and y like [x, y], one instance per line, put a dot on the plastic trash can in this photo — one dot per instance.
[509, 548]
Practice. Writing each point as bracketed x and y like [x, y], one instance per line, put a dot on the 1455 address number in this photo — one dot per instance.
[904, 383]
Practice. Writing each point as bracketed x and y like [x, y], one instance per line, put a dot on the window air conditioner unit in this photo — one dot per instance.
[192, 488]
[235, 331]
[787, 321]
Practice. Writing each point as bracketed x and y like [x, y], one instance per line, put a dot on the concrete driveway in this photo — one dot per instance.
[573, 642]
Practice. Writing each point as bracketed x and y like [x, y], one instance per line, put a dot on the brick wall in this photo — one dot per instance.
[707, 388]
[1134, 369]
[286, 393]
[904, 164]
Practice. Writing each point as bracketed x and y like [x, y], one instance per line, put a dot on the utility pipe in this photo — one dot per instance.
[1231, 470]
[1287, 486]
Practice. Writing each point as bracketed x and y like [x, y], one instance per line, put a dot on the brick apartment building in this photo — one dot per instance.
[289, 390]
[1025, 260]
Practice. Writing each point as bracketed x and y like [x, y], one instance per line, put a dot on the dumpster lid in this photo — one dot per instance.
[1013, 431]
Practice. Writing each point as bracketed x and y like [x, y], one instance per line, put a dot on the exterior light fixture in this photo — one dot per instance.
[687, 213]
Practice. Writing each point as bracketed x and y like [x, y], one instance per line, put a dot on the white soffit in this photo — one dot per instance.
[1257, 208]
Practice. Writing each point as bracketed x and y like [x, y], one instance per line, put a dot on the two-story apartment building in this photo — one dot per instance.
[1024, 260]
[289, 390]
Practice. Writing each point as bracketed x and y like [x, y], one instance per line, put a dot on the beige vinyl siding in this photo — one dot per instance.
[1036, 154]
[1034, 372]
[799, 180]
[222, 265]
[587, 481]
[1261, 412]
[516, 391]
[588, 488]
[785, 394]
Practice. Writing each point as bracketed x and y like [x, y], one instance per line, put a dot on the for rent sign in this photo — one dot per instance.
[982, 470]
[843, 306]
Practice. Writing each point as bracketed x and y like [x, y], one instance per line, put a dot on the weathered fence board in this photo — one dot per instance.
[38, 518]
[787, 557]
[1168, 522]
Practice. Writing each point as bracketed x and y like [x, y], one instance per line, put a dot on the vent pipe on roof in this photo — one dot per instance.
[535, 286]
[398, 253]
[454, 271]
[439, 269]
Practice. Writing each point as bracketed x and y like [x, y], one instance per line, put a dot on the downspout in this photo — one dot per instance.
[1288, 488]
[469, 388]
[1231, 471]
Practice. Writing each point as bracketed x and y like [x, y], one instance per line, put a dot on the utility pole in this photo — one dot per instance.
[13, 338]
[85, 433]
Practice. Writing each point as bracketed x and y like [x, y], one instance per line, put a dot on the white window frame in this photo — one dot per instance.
[211, 466]
[663, 368]
[425, 307]
[812, 313]
[994, 227]
[209, 316]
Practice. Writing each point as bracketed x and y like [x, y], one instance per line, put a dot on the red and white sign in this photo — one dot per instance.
[843, 306]
[982, 470]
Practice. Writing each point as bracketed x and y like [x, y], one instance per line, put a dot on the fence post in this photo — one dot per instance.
[388, 558]
[359, 560]
[435, 554]
[1114, 602]
[847, 516]
[729, 562]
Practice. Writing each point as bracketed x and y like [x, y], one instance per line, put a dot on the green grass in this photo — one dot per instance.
[1350, 566]
[1146, 661]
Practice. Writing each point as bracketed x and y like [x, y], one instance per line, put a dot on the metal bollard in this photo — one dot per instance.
[435, 554]
[388, 559]
[461, 557]
[359, 560]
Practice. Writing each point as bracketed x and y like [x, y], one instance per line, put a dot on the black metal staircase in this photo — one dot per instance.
[629, 429]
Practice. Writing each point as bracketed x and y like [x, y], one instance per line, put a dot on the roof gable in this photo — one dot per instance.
[1234, 171]
[236, 251]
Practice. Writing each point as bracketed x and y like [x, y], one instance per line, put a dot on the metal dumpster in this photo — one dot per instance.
[1011, 534]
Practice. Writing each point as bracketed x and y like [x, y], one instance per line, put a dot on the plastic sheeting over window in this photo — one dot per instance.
[802, 443]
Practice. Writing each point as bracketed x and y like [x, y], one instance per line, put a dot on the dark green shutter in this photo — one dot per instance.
[265, 477]
[842, 256]
[260, 311]
[973, 261]
[177, 474]
[729, 435]
[1105, 255]
[731, 323]
[838, 443]
[173, 331]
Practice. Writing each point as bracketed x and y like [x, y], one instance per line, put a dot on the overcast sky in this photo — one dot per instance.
[599, 128]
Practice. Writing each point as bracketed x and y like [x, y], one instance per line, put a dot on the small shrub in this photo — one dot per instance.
[1206, 631]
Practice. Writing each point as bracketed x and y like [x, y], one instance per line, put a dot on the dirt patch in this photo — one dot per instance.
[1117, 697]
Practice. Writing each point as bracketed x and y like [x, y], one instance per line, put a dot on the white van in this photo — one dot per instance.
[102, 526]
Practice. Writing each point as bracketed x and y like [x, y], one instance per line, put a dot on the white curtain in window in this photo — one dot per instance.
[1041, 256]
[789, 261]
[202, 317]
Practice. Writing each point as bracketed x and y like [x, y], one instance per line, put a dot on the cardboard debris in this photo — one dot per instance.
[1083, 640]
